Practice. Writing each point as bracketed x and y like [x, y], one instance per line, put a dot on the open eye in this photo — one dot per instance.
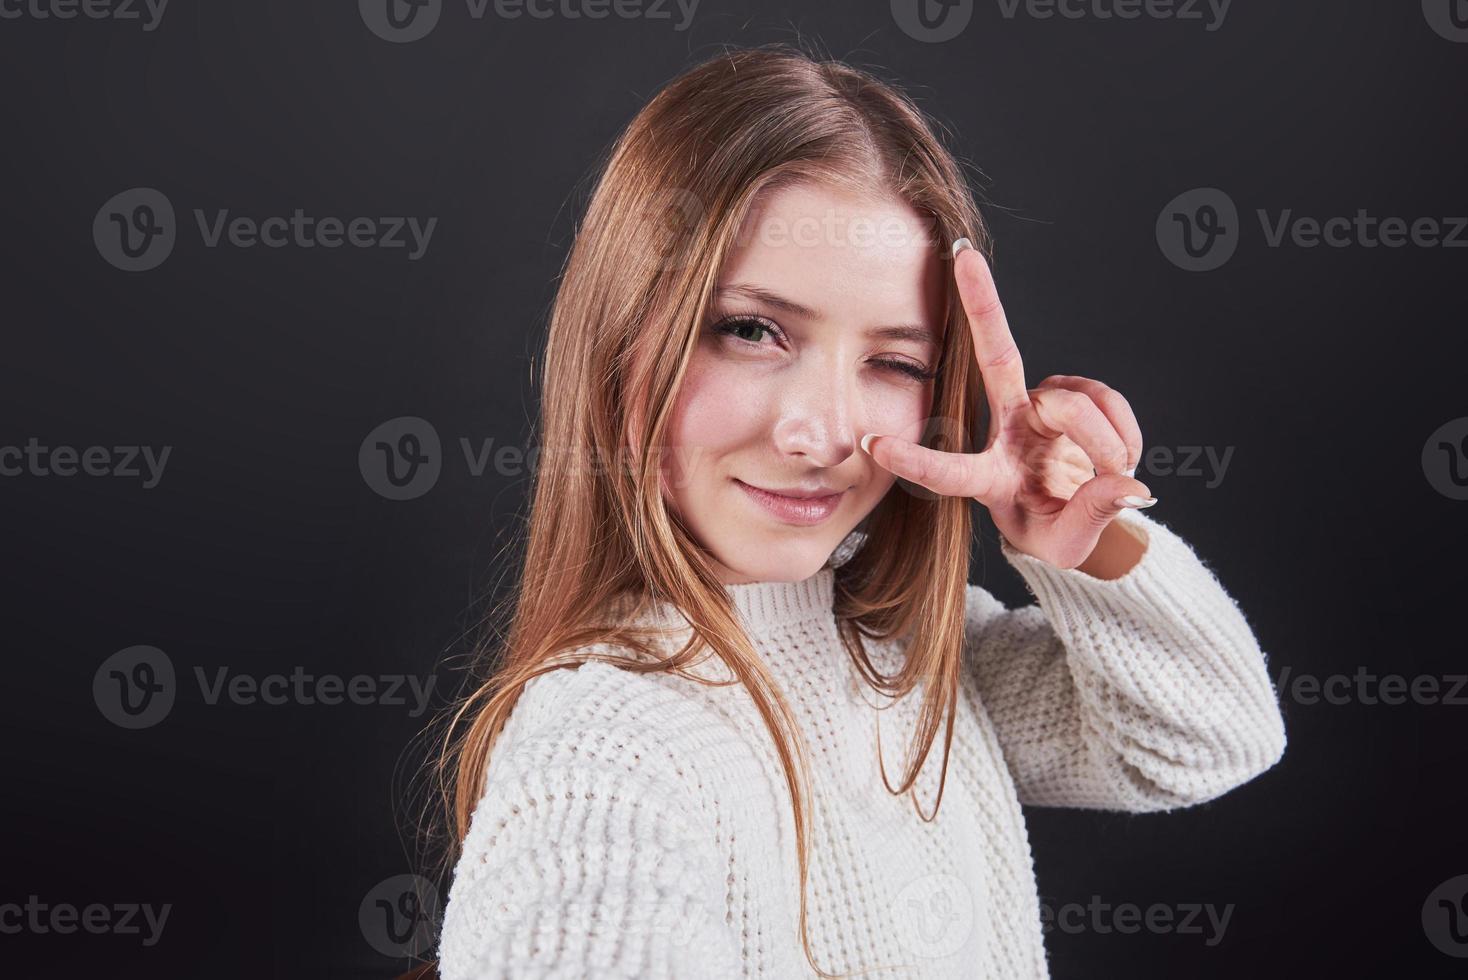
[745, 327]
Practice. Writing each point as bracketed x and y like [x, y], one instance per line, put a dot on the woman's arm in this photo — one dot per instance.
[586, 858]
[1144, 692]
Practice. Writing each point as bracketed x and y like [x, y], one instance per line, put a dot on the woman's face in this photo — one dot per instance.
[825, 326]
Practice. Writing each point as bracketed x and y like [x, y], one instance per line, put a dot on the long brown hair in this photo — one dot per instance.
[601, 543]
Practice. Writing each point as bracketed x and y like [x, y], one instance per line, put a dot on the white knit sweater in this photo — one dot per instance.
[640, 825]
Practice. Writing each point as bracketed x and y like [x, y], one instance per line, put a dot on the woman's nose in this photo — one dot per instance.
[816, 417]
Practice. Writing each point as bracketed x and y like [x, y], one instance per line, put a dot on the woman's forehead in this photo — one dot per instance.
[828, 248]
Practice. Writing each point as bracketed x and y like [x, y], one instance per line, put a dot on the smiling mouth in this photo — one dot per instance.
[801, 511]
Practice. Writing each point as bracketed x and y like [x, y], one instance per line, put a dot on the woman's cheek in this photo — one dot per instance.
[719, 409]
[895, 408]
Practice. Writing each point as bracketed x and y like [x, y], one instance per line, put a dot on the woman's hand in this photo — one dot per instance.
[1055, 472]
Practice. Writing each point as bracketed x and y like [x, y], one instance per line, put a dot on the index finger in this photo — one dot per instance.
[994, 347]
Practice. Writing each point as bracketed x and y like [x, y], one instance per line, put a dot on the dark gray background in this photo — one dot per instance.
[263, 548]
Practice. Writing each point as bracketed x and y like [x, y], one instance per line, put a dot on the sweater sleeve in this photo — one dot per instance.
[1143, 693]
[585, 858]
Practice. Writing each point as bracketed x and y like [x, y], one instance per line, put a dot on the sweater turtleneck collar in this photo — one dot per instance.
[763, 605]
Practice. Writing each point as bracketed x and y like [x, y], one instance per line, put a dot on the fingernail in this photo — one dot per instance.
[1139, 502]
[1132, 472]
[960, 245]
[866, 442]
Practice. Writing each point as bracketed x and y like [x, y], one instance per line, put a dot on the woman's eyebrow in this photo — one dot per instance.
[770, 299]
[914, 332]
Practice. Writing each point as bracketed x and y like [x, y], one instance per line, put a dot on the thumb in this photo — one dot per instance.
[1098, 502]
[945, 474]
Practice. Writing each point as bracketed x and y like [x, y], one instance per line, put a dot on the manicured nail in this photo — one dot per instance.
[1133, 501]
[866, 442]
[960, 245]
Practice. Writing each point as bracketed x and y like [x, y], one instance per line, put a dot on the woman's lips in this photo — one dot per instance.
[803, 511]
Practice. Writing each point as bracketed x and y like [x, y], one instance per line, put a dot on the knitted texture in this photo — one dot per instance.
[639, 825]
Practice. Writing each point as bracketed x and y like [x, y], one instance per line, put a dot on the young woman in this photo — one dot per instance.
[744, 616]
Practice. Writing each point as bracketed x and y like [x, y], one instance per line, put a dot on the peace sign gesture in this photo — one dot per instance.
[1056, 470]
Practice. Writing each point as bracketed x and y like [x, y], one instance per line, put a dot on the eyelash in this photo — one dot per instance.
[730, 324]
